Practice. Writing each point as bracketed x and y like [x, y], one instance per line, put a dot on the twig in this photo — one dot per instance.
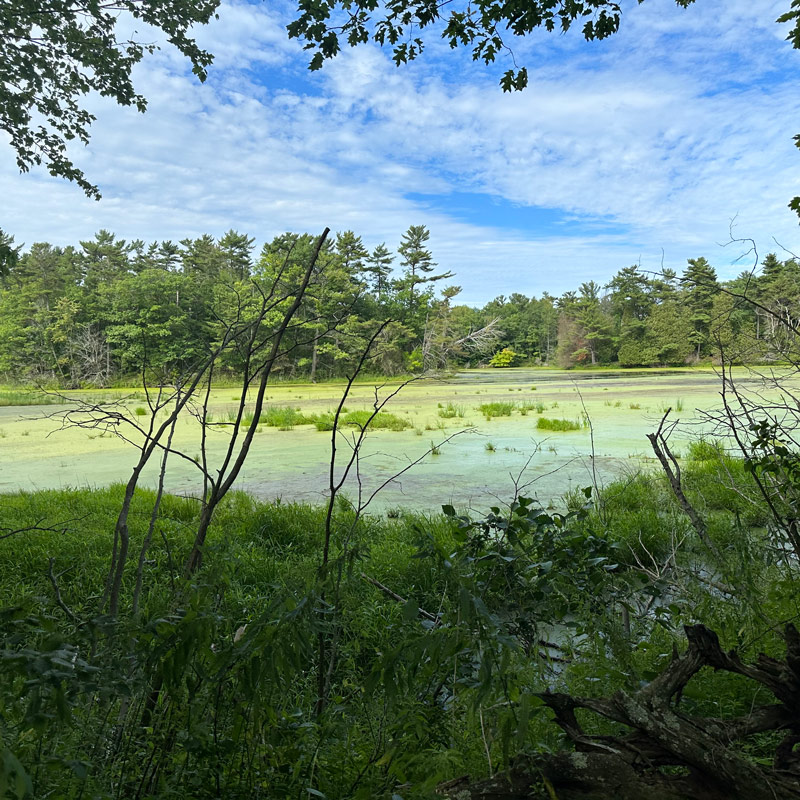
[57, 591]
[397, 598]
[673, 472]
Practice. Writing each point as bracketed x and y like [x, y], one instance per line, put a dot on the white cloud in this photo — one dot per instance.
[680, 123]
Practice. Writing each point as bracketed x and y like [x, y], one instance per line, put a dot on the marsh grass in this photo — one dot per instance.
[550, 424]
[451, 410]
[27, 397]
[261, 561]
[284, 418]
[497, 409]
[677, 406]
[358, 419]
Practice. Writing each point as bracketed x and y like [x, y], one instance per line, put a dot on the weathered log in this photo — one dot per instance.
[667, 754]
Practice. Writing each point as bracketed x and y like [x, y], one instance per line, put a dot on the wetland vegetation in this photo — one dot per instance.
[230, 566]
[201, 631]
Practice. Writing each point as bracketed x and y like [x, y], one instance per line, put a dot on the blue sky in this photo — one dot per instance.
[650, 147]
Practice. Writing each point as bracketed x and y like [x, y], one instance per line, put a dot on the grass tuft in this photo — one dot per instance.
[496, 409]
[549, 424]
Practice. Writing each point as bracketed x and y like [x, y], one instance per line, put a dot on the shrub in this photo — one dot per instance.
[505, 358]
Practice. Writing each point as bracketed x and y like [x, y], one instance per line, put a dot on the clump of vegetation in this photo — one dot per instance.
[21, 397]
[435, 449]
[383, 420]
[506, 358]
[676, 406]
[140, 411]
[490, 447]
[284, 418]
[496, 409]
[550, 424]
[635, 406]
[451, 410]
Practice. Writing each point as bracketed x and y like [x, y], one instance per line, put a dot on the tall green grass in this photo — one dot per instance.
[383, 420]
[549, 424]
[29, 397]
[496, 409]
[451, 410]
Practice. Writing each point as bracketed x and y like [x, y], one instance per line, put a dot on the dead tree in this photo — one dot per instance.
[261, 355]
[659, 443]
[668, 753]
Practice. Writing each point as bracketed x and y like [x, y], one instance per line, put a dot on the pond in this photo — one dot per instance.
[479, 466]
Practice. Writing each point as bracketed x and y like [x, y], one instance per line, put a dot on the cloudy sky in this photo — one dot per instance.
[649, 147]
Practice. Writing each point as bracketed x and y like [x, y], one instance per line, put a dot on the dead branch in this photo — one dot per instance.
[668, 754]
[672, 470]
[397, 598]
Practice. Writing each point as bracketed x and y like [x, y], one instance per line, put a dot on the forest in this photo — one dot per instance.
[100, 312]
[213, 645]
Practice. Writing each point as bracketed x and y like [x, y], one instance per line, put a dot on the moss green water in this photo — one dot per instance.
[293, 465]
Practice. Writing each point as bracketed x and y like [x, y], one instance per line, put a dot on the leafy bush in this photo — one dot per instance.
[505, 358]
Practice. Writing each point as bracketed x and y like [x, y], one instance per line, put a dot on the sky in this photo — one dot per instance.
[665, 142]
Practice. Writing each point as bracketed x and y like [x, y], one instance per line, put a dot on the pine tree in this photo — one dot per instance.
[378, 267]
[700, 286]
[237, 253]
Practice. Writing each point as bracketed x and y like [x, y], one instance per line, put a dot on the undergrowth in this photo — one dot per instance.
[210, 691]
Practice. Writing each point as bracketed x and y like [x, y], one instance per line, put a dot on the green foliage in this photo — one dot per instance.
[52, 59]
[404, 27]
[451, 410]
[505, 358]
[214, 695]
[284, 418]
[93, 314]
[383, 420]
[549, 424]
[26, 397]
[496, 409]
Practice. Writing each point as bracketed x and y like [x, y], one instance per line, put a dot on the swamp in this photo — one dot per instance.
[389, 432]
[473, 469]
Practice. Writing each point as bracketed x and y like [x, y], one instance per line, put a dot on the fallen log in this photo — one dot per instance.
[668, 754]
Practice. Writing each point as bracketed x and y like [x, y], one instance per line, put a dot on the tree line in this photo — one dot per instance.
[108, 308]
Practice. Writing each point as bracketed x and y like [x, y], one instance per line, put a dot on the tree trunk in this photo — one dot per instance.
[668, 755]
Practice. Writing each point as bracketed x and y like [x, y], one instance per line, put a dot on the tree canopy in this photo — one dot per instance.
[54, 52]
[324, 25]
